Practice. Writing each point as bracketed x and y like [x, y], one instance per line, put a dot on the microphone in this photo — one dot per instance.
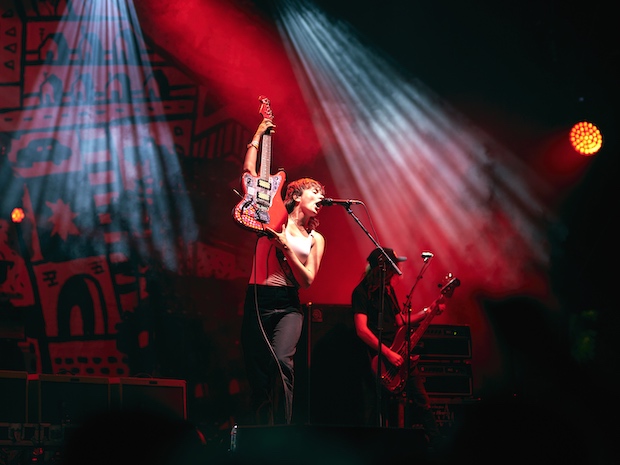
[329, 202]
[427, 255]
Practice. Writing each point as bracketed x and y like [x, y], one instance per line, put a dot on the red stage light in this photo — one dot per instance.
[586, 138]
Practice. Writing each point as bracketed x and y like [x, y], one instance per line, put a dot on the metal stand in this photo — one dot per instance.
[381, 419]
[407, 307]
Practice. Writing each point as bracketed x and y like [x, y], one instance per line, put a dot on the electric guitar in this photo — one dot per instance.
[394, 378]
[262, 203]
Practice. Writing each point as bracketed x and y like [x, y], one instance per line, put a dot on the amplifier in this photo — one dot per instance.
[446, 377]
[166, 397]
[14, 399]
[60, 399]
[445, 341]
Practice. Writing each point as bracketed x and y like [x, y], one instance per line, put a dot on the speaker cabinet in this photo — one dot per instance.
[446, 377]
[14, 398]
[162, 396]
[327, 392]
[64, 399]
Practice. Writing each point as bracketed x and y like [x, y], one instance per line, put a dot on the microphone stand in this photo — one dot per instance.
[381, 419]
[408, 313]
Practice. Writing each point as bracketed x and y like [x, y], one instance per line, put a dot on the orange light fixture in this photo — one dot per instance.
[17, 215]
[586, 138]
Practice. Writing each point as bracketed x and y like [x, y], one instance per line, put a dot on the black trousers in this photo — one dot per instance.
[271, 328]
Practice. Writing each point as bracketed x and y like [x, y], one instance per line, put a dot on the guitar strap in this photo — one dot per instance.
[392, 294]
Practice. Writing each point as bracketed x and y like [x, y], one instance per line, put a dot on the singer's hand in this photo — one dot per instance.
[278, 238]
[266, 125]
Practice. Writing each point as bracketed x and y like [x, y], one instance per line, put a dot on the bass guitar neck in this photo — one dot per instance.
[394, 378]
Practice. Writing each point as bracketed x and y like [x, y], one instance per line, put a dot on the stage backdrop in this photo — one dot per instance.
[122, 254]
[123, 150]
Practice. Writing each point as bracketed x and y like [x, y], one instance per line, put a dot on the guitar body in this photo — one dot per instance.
[262, 203]
[394, 378]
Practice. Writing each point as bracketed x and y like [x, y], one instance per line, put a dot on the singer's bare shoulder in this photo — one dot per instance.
[317, 235]
[319, 240]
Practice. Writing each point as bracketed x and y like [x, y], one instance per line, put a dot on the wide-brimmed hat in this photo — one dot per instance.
[376, 257]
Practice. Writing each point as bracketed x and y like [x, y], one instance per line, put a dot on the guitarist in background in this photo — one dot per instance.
[285, 259]
[366, 305]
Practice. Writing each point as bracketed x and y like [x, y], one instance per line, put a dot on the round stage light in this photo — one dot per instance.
[18, 215]
[586, 138]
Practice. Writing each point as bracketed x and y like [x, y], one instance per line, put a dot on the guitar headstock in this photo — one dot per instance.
[450, 282]
[265, 108]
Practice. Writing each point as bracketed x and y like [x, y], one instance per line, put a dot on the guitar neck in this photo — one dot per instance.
[265, 157]
[446, 291]
[423, 326]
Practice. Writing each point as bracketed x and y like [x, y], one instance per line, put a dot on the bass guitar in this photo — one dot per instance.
[262, 203]
[394, 378]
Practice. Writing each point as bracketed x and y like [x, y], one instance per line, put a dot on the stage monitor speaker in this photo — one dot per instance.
[155, 395]
[329, 444]
[66, 399]
[14, 398]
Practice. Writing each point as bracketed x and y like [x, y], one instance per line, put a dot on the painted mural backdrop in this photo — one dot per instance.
[110, 272]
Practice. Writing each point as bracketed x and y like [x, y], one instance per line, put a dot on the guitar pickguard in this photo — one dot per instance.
[255, 210]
